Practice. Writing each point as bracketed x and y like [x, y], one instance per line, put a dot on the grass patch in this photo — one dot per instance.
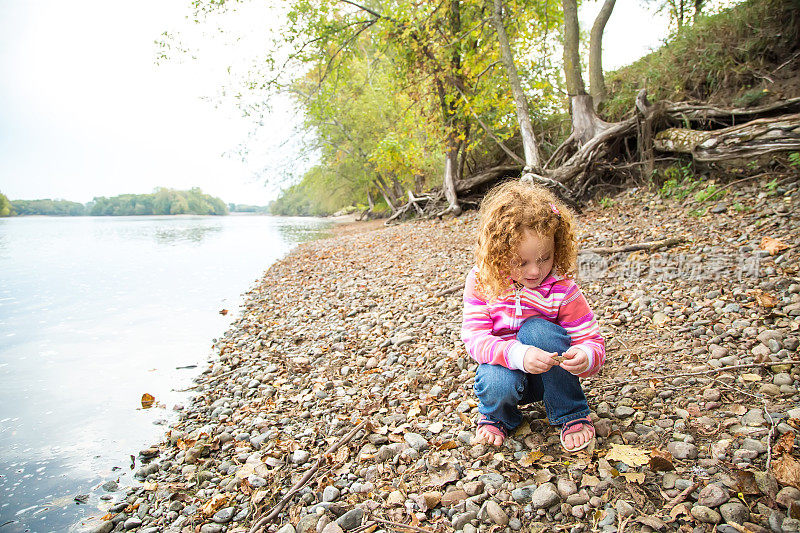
[728, 51]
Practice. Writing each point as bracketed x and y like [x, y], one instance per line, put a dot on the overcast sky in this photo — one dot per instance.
[85, 111]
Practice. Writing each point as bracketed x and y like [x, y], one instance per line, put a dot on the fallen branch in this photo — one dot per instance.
[700, 373]
[258, 526]
[451, 290]
[682, 496]
[398, 524]
[649, 246]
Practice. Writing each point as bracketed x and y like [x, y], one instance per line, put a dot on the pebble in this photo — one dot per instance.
[416, 441]
[706, 514]
[682, 450]
[351, 519]
[224, 515]
[494, 513]
[330, 494]
[712, 495]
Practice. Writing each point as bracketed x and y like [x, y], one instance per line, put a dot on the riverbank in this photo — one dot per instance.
[365, 327]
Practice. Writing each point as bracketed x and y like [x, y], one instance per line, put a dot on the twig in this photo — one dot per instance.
[451, 290]
[769, 436]
[701, 373]
[682, 496]
[650, 245]
[258, 526]
[397, 524]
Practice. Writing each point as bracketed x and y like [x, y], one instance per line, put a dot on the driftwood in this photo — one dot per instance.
[491, 175]
[749, 140]
[691, 111]
[649, 245]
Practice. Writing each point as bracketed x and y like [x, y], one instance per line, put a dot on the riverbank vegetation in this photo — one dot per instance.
[162, 201]
[419, 107]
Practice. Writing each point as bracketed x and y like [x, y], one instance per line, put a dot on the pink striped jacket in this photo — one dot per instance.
[490, 330]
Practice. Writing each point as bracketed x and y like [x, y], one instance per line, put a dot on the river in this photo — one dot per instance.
[95, 312]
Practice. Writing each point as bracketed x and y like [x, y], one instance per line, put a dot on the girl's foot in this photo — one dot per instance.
[490, 432]
[577, 434]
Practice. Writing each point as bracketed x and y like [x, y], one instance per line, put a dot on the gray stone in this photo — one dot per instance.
[734, 512]
[754, 445]
[460, 520]
[308, 524]
[105, 527]
[110, 486]
[713, 495]
[682, 450]
[754, 417]
[330, 494]
[787, 495]
[782, 378]
[523, 494]
[623, 411]
[492, 479]
[492, 512]
[288, 528]
[770, 334]
[351, 519]
[566, 487]
[132, 522]
[224, 515]
[211, 528]
[545, 496]
[416, 441]
[300, 457]
[706, 515]
[624, 509]
[790, 525]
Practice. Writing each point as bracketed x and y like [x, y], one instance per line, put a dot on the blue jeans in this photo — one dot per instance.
[500, 390]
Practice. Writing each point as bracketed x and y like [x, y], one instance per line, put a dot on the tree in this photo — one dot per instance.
[6, 209]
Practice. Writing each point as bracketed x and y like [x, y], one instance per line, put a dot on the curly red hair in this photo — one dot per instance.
[506, 212]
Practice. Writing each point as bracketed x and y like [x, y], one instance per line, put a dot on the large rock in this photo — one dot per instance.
[351, 519]
[713, 496]
[706, 515]
[545, 496]
[682, 450]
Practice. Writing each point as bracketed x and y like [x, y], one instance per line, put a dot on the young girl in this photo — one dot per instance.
[526, 322]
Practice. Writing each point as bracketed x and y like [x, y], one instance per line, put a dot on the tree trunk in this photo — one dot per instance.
[585, 123]
[745, 141]
[572, 58]
[597, 82]
[451, 174]
[532, 160]
[386, 193]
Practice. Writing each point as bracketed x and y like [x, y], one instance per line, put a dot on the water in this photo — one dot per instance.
[95, 312]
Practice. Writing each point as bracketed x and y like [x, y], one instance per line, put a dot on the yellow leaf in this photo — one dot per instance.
[773, 246]
[149, 485]
[531, 458]
[751, 377]
[147, 400]
[628, 454]
[217, 502]
[589, 481]
[634, 477]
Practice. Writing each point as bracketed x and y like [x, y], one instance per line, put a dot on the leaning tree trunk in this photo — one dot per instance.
[744, 141]
[597, 82]
[532, 160]
[451, 173]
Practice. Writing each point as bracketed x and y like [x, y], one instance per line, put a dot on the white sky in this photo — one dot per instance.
[85, 111]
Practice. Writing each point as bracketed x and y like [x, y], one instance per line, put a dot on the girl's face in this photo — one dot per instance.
[536, 255]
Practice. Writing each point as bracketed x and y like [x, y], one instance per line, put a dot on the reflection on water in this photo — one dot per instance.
[94, 312]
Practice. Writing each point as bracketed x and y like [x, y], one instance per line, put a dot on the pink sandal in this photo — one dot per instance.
[495, 428]
[574, 426]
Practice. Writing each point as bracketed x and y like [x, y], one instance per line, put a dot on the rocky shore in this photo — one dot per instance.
[696, 409]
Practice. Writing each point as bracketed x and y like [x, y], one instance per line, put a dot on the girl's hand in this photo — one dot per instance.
[537, 361]
[576, 361]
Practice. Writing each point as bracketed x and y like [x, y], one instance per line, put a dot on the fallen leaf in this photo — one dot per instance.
[746, 482]
[629, 455]
[660, 461]
[447, 445]
[764, 299]
[147, 401]
[531, 458]
[342, 454]
[108, 516]
[652, 522]
[445, 474]
[217, 502]
[258, 497]
[522, 431]
[785, 444]
[737, 409]
[464, 418]
[787, 470]
[634, 477]
[773, 246]
[223, 312]
[589, 481]
[150, 485]
[605, 469]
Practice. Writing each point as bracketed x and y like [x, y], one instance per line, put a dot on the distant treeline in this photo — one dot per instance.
[245, 208]
[161, 202]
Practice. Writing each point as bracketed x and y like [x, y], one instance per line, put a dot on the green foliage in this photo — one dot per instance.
[709, 194]
[162, 202]
[6, 209]
[246, 208]
[59, 208]
[772, 186]
[606, 202]
[716, 52]
[679, 181]
[794, 159]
